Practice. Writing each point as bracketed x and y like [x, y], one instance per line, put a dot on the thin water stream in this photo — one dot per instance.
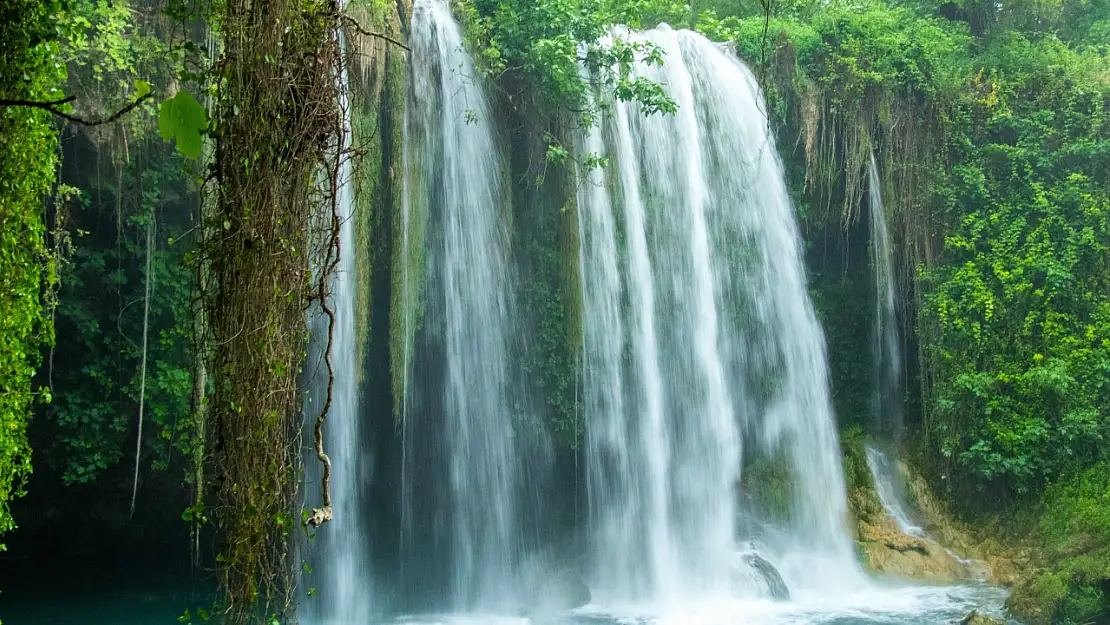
[886, 398]
[888, 484]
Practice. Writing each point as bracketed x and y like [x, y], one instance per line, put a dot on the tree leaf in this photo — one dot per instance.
[183, 119]
[142, 88]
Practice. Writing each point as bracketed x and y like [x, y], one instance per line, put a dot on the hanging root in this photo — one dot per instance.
[332, 251]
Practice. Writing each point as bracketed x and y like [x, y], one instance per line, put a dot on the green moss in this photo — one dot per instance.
[545, 254]
[1081, 604]
[364, 122]
[383, 260]
[408, 263]
[1035, 601]
[770, 483]
[853, 443]
[1074, 533]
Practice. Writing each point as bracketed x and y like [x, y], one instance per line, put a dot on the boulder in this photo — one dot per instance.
[771, 577]
[887, 550]
[975, 618]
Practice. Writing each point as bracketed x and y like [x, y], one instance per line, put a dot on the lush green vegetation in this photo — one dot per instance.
[29, 71]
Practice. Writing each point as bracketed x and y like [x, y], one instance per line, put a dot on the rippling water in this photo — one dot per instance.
[905, 605]
[889, 605]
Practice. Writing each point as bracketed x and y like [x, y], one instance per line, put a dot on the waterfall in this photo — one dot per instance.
[343, 575]
[886, 400]
[699, 336]
[474, 517]
[889, 487]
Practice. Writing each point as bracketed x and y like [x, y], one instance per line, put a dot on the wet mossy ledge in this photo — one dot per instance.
[1051, 580]
[941, 555]
[378, 76]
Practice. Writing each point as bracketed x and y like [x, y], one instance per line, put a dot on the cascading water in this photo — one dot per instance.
[467, 313]
[889, 487]
[343, 574]
[886, 401]
[698, 332]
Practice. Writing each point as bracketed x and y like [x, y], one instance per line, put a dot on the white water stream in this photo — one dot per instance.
[345, 580]
[888, 484]
[886, 398]
[463, 190]
[698, 330]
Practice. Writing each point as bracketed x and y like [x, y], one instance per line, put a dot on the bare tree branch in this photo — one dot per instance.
[50, 106]
[353, 24]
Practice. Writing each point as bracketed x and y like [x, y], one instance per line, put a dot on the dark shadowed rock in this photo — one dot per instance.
[975, 618]
[766, 570]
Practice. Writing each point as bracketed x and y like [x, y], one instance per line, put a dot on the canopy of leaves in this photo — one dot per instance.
[1020, 307]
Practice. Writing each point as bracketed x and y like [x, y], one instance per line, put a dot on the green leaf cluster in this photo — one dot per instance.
[544, 43]
[100, 315]
[1019, 309]
[29, 70]
[182, 119]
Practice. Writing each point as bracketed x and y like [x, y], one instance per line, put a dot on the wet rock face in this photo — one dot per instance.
[887, 550]
[975, 618]
[775, 586]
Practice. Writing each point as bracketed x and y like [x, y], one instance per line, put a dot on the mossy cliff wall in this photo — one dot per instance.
[379, 82]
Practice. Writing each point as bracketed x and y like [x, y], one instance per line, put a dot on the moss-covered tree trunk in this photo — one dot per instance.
[278, 131]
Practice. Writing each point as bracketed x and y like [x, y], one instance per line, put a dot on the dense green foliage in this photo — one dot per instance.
[127, 182]
[29, 71]
[1019, 310]
[74, 261]
[1076, 527]
[100, 315]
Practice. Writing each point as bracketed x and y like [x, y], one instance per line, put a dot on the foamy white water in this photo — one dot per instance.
[906, 605]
